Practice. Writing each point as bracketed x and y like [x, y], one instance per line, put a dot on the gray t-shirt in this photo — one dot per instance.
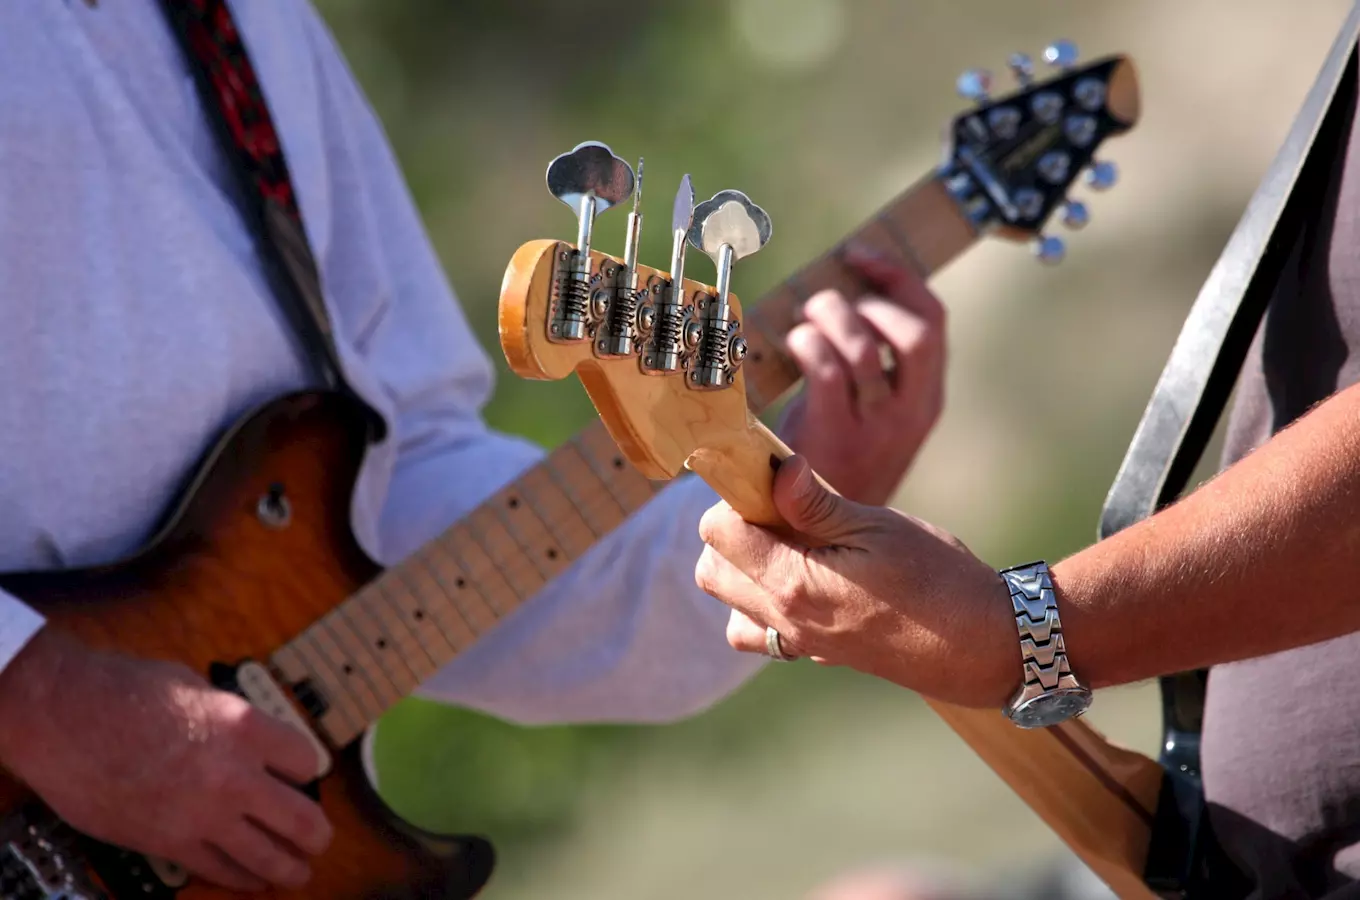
[1281, 751]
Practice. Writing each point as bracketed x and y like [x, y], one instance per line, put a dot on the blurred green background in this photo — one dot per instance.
[822, 110]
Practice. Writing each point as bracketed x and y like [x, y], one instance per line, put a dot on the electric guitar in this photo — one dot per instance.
[695, 412]
[255, 580]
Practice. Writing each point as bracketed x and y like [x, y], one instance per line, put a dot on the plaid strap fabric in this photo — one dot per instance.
[231, 92]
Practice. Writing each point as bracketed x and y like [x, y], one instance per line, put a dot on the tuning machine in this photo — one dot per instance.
[590, 180]
[727, 227]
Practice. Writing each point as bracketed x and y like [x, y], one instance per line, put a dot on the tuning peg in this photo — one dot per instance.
[728, 227]
[1101, 176]
[589, 179]
[1022, 66]
[1049, 250]
[1061, 54]
[1076, 215]
[975, 85]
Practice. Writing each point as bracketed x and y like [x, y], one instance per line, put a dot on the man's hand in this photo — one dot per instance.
[148, 756]
[873, 589]
[859, 424]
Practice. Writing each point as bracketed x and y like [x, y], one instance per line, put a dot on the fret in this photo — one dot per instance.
[414, 592]
[339, 696]
[385, 628]
[481, 571]
[624, 481]
[357, 627]
[293, 666]
[526, 577]
[529, 531]
[355, 680]
[774, 371]
[926, 219]
[348, 653]
[473, 612]
[574, 477]
[558, 512]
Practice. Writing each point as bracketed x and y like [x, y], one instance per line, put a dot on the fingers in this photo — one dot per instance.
[210, 863]
[283, 749]
[918, 347]
[252, 848]
[830, 390]
[855, 343]
[899, 283]
[766, 559]
[291, 815]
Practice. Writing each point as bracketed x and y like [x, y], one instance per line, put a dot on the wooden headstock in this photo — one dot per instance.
[663, 423]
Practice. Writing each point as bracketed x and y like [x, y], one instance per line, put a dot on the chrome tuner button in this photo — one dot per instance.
[1075, 215]
[1022, 66]
[975, 85]
[1049, 250]
[1061, 54]
[1102, 176]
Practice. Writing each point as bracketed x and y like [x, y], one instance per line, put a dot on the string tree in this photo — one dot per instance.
[590, 180]
[727, 227]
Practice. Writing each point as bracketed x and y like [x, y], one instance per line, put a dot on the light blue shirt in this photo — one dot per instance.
[137, 323]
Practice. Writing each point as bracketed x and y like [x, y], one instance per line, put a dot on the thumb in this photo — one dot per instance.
[809, 505]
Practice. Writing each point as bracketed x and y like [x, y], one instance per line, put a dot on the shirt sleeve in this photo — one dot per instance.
[18, 623]
[624, 634]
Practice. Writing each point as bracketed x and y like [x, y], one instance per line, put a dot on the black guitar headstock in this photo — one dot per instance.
[1010, 162]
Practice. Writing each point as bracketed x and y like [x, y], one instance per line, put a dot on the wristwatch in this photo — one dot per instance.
[1050, 693]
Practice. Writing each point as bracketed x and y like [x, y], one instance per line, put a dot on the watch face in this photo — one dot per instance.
[1052, 708]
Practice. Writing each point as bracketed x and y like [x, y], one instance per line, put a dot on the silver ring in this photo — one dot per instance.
[775, 647]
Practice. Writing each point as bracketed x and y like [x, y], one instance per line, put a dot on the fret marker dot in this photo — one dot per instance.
[381, 643]
[419, 614]
[461, 583]
[514, 503]
[618, 462]
[348, 669]
[552, 553]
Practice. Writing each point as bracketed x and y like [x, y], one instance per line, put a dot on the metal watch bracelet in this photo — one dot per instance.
[1050, 692]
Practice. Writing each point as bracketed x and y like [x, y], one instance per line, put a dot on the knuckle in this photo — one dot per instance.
[823, 303]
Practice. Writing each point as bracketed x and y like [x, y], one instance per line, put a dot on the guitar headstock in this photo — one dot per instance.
[660, 356]
[1011, 162]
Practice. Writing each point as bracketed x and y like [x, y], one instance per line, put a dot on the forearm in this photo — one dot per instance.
[1263, 558]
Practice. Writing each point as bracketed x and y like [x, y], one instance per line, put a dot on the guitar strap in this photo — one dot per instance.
[236, 105]
[1185, 409]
